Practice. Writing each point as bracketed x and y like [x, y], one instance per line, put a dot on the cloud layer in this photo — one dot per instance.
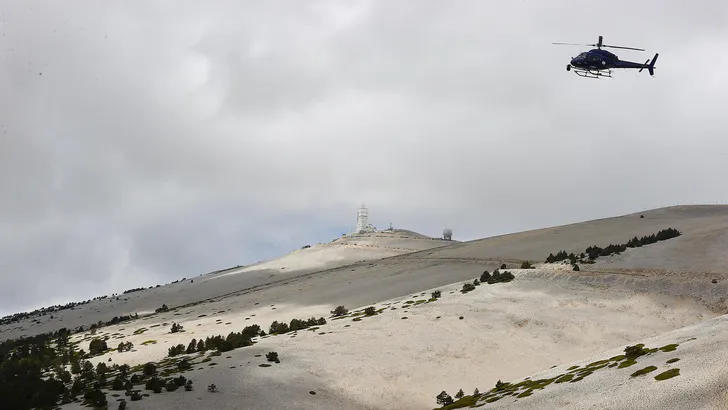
[143, 143]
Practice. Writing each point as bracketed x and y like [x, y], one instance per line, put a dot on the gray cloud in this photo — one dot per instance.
[145, 143]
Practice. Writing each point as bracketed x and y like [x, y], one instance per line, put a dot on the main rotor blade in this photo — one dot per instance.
[626, 48]
[576, 44]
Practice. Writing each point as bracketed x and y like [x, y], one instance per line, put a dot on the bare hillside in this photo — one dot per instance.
[684, 370]
[346, 250]
[699, 249]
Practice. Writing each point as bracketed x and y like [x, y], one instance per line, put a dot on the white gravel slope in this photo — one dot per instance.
[701, 384]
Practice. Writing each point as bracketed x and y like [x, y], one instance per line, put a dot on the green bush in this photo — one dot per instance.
[339, 311]
[467, 287]
[272, 357]
[485, 277]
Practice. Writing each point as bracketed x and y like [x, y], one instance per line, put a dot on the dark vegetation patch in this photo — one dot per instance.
[669, 348]
[593, 252]
[496, 277]
[646, 370]
[25, 363]
[668, 374]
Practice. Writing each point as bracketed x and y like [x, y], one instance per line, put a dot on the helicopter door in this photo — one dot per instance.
[593, 60]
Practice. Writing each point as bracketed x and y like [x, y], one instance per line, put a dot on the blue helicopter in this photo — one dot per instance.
[597, 63]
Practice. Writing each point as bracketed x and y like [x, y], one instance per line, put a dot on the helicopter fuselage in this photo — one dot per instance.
[597, 59]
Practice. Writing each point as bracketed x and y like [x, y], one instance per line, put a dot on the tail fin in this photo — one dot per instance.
[650, 65]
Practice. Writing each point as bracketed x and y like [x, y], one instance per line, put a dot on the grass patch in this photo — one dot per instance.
[646, 370]
[525, 393]
[573, 367]
[149, 342]
[669, 374]
[598, 363]
[669, 348]
[627, 363]
[673, 360]
[564, 378]
[140, 331]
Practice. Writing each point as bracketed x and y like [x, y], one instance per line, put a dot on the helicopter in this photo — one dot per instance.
[597, 63]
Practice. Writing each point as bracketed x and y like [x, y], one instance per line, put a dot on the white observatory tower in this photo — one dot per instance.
[362, 220]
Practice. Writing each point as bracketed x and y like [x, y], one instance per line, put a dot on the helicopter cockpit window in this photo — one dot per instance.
[591, 58]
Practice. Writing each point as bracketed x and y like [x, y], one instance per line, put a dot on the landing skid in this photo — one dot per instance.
[592, 73]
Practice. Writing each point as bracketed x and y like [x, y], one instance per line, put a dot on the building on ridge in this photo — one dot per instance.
[362, 221]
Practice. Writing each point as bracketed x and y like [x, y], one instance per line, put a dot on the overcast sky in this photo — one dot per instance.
[152, 140]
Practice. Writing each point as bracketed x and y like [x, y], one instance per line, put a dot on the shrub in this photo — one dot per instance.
[575, 267]
[467, 287]
[135, 396]
[180, 380]
[125, 347]
[191, 348]
[272, 357]
[633, 352]
[176, 350]
[171, 385]
[188, 385]
[526, 265]
[118, 384]
[370, 311]
[175, 328]
[444, 398]
[95, 397]
[485, 276]
[149, 369]
[153, 383]
[339, 311]
[184, 364]
[503, 266]
[500, 277]
[436, 294]
[459, 394]
[476, 282]
[97, 346]
[122, 405]
[278, 328]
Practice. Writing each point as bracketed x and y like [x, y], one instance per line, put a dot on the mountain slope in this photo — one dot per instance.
[697, 366]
